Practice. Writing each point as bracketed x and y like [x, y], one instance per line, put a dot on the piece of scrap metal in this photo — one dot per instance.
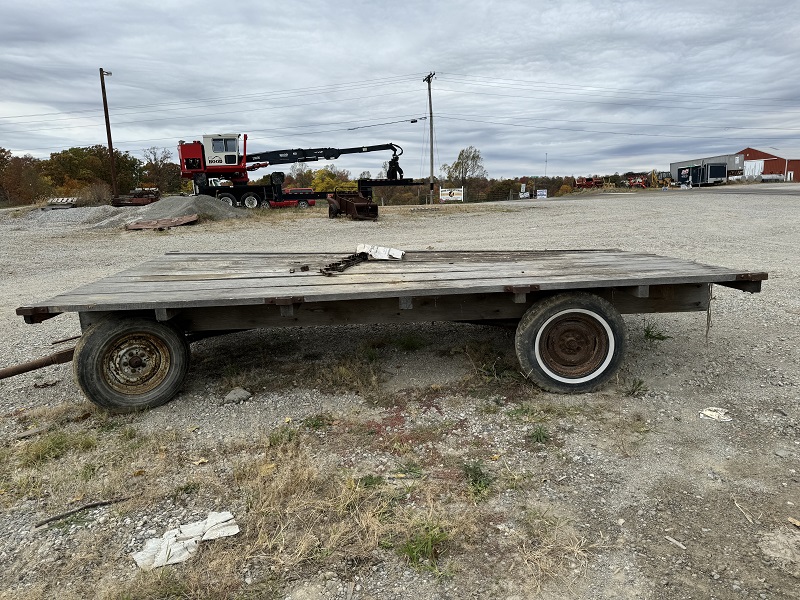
[380, 252]
[161, 224]
[345, 263]
[715, 413]
[56, 203]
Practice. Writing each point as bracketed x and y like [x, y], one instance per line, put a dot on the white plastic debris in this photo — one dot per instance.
[715, 413]
[380, 252]
[178, 545]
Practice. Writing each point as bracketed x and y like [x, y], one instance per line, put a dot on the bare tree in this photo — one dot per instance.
[468, 165]
[159, 169]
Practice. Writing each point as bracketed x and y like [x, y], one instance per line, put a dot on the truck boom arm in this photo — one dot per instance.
[277, 157]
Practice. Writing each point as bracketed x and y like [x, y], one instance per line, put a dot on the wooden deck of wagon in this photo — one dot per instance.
[186, 280]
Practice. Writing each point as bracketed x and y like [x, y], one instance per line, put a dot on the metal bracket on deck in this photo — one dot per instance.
[286, 304]
[520, 292]
[165, 314]
[35, 314]
[637, 291]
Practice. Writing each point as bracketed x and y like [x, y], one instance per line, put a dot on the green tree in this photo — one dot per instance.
[330, 178]
[5, 157]
[23, 182]
[91, 165]
[501, 189]
[160, 171]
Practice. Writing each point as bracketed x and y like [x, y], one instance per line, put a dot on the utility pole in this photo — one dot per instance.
[545, 164]
[108, 132]
[428, 79]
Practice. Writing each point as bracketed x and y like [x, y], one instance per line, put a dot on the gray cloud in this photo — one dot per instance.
[597, 86]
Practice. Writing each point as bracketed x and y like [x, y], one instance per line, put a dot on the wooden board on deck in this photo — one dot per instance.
[178, 280]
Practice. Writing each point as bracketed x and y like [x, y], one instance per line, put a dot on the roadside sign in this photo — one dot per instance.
[451, 195]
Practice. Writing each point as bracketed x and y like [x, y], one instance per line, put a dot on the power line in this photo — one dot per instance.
[637, 134]
[216, 100]
[525, 83]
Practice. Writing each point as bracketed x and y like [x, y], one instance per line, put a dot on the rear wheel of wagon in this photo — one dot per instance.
[570, 343]
[128, 364]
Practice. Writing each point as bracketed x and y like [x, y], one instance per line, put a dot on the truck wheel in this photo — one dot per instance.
[570, 343]
[302, 204]
[128, 364]
[333, 210]
[228, 199]
[251, 200]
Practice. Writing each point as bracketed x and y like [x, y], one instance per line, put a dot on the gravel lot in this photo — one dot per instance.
[664, 504]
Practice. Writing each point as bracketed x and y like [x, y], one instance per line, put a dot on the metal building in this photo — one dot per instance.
[707, 171]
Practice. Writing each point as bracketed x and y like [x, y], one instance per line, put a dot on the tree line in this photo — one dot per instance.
[83, 173]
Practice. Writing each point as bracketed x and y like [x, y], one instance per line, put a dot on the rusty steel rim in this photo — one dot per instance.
[574, 345]
[136, 364]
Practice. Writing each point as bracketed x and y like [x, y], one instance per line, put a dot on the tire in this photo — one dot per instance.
[302, 204]
[129, 364]
[333, 210]
[251, 200]
[228, 199]
[570, 343]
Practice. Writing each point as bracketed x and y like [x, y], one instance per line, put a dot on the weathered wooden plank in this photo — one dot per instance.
[179, 280]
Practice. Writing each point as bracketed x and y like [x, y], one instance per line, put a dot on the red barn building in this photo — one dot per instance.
[769, 166]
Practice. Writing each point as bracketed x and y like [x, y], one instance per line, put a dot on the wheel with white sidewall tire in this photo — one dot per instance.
[251, 200]
[128, 364]
[228, 199]
[302, 204]
[570, 343]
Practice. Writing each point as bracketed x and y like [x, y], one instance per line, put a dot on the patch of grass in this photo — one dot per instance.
[164, 584]
[410, 468]
[182, 492]
[371, 481]
[88, 471]
[281, 435]
[424, 545]
[653, 332]
[49, 447]
[478, 480]
[320, 421]
[634, 387]
[539, 435]
[410, 342]
[490, 364]
[544, 412]
[128, 433]
[550, 547]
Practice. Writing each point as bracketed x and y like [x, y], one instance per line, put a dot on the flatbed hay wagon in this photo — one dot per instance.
[566, 304]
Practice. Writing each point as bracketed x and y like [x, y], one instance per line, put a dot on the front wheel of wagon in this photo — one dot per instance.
[570, 343]
[128, 364]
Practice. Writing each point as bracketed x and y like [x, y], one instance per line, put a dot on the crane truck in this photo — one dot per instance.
[224, 157]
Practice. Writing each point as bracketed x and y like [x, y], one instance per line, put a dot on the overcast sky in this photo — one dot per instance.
[573, 88]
